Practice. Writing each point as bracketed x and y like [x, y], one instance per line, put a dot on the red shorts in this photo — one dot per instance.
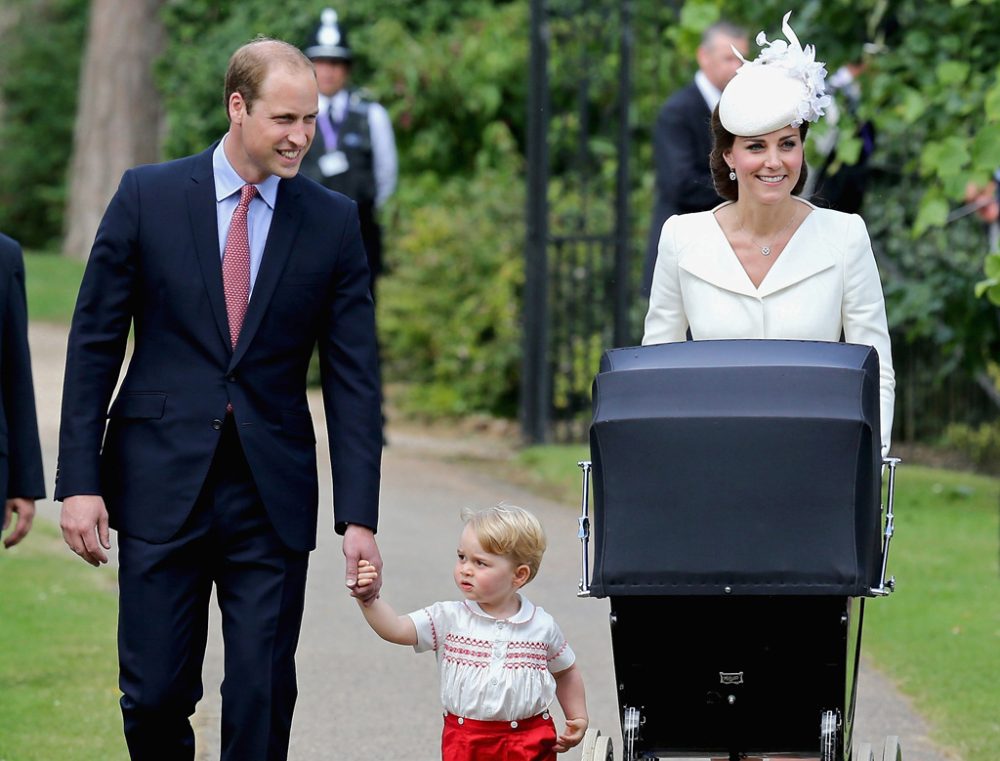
[531, 739]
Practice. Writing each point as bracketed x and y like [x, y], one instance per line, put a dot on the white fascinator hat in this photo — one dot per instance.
[785, 85]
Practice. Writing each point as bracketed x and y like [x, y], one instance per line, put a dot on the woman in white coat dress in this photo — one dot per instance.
[767, 264]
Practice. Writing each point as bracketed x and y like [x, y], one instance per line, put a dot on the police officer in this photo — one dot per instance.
[354, 151]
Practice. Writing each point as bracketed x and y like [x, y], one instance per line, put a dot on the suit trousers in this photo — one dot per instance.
[165, 592]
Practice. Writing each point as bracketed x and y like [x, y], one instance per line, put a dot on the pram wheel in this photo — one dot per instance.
[828, 727]
[892, 751]
[864, 753]
[603, 750]
[589, 740]
[596, 747]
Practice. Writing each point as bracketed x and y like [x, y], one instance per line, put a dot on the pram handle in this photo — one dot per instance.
[886, 587]
[583, 532]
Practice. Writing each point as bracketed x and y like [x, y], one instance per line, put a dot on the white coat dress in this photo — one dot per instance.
[824, 282]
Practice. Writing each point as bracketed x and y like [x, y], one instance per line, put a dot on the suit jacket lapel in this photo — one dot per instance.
[277, 249]
[205, 227]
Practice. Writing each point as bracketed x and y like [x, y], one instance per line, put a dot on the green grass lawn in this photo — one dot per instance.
[938, 635]
[58, 662]
[52, 284]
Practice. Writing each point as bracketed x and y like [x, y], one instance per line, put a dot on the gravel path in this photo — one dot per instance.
[361, 698]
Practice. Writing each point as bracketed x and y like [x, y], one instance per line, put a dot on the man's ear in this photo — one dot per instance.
[521, 575]
[237, 108]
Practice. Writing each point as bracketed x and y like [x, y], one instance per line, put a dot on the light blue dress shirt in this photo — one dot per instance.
[227, 197]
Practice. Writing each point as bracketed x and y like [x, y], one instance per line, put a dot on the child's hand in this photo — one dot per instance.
[367, 573]
[572, 735]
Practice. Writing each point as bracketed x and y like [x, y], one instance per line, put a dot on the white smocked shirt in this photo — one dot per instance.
[492, 669]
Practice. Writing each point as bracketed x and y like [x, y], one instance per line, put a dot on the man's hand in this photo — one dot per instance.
[359, 544]
[25, 509]
[84, 524]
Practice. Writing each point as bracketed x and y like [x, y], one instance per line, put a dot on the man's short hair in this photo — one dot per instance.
[722, 28]
[249, 65]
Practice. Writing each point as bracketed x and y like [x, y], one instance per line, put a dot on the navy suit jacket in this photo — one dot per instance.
[20, 451]
[682, 141]
[155, 268]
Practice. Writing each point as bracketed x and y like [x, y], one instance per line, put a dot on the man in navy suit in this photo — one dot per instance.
[682, 136]
[21, 479]
[208, 463]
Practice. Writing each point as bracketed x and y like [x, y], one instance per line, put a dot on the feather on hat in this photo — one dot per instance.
[785, 85]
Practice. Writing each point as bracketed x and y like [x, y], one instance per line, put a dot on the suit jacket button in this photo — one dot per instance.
[217, 424]
[231, 378]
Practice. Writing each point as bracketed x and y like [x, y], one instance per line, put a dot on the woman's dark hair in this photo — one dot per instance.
[722, 141]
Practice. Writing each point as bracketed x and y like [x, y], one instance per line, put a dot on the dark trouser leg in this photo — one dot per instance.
[261, 591]
[164, 592]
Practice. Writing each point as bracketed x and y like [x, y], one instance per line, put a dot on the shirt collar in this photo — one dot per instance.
[523, 615]
[228, 182]
[709, 92]
[337, 101]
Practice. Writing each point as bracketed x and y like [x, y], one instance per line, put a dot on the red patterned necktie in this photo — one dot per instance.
[236, 264]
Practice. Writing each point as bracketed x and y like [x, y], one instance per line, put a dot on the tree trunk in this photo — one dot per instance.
[118, 122]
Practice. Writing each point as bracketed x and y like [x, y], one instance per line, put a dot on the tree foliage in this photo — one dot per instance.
[454, 75]
[39, 72]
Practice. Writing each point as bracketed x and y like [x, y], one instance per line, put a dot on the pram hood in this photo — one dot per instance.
[736, 467]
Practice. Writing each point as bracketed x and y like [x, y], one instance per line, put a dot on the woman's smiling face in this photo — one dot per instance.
[767, 166]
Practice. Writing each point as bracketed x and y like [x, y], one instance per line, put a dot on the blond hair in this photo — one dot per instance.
[510, 531]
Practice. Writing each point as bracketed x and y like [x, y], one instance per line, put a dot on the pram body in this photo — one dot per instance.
[738, 529]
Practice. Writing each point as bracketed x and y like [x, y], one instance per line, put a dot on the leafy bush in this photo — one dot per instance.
[981, 444]
[449, 312]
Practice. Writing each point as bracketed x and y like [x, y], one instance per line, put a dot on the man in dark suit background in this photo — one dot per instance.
[682, 136]
[208, 464]
[21, 479]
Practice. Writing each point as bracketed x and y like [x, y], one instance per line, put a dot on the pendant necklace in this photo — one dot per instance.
[765, 250]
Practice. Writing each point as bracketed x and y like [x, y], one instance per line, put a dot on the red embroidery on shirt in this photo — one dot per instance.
[458, 649]
[434, 634]
[560, 651]
[464, 661]
[518, 666]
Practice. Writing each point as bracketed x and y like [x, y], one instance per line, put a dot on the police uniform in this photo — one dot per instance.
[354, 151]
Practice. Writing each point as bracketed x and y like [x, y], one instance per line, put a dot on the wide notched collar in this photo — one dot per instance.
[708, 256]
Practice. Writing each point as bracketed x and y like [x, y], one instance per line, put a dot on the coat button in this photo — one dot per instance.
[231, 378]
[217, 424]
